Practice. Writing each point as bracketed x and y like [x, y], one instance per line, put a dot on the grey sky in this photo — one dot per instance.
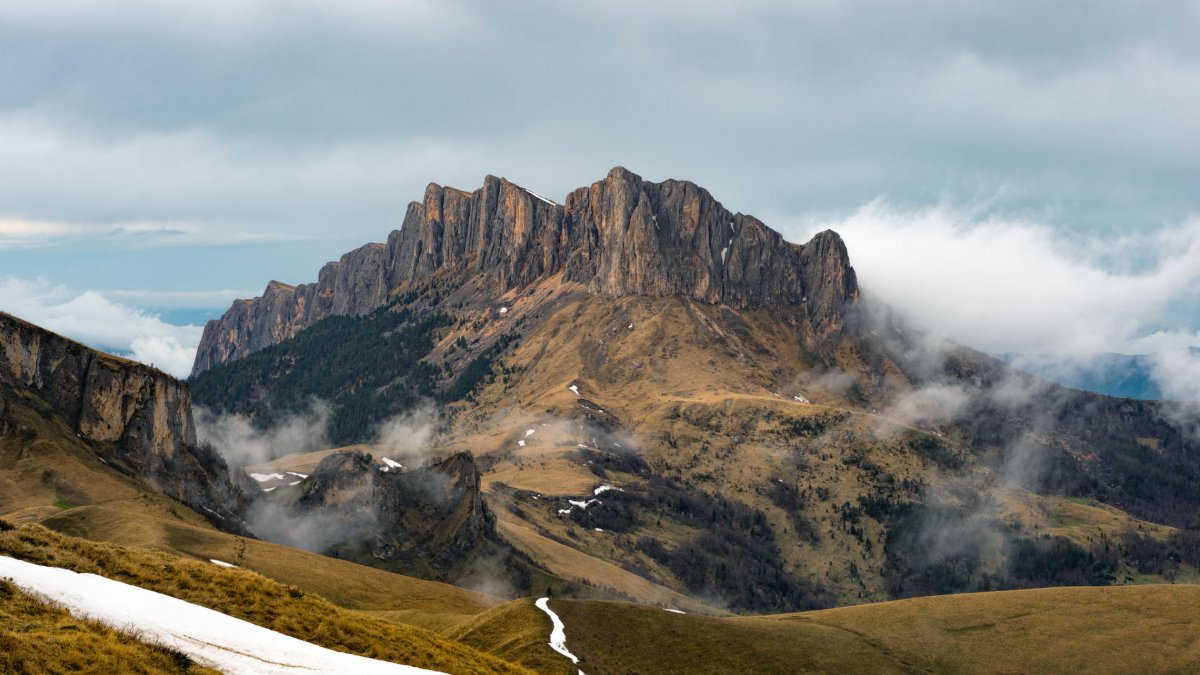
[208, 145]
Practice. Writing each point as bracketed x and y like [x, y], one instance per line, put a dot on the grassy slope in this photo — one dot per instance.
[251, 597]
[1097, 630]
[49, 475]
[705, 391]
[37, 637]
[515, 631]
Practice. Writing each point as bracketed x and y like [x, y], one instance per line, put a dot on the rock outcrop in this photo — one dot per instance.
[142, 416]
[423, 522]
[620, 236]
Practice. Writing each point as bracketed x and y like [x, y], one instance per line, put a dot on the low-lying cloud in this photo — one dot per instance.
[242, 444]
[96, 321]
[1022, 286]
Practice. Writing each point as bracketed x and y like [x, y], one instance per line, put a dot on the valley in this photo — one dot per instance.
[694, 440]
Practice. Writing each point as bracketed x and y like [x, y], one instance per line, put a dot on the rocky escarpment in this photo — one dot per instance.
[140, 416]
[620, 236]
[423, 522]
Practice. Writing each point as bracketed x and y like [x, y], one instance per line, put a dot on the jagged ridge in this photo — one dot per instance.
[620, 236]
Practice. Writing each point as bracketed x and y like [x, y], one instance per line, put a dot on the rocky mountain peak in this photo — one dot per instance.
[620, 236]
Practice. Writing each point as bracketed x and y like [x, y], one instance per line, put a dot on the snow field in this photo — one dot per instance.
[207, 636]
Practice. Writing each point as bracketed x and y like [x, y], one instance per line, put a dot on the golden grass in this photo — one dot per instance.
[37, 637]
[1120, 629]
[515, 631]
[428, 604]
[1055, 630]
[251, 597]
[569, 563]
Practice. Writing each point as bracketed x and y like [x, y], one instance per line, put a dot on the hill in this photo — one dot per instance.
[662, 412]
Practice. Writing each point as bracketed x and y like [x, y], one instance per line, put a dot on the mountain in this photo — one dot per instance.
[426, 522]
[1121, 375]
[134, 418]
[620, 236]
[665, 415]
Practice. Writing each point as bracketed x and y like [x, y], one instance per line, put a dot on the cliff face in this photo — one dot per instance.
[620, 236]
[144, 414]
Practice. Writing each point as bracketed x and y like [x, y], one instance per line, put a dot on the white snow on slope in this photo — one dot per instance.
[528, 433]
[209, 637]
[392, 464]
[298, 475]
[539, 196]
[264, 477]
[574, 389]
[221, 563]
[558, 636]
[605, 488]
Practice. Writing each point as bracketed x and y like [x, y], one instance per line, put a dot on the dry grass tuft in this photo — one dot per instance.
[37, 637]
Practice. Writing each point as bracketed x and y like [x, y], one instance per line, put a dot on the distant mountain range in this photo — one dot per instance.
[1121, 375]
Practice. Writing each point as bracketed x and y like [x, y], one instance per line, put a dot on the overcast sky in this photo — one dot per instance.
[1019, 175]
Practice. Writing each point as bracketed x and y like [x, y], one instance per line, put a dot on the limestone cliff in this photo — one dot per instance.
[141, 416]
[620, 236]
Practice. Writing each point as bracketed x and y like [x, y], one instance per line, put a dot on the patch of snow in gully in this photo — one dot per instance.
[558, 635]
[207, 636]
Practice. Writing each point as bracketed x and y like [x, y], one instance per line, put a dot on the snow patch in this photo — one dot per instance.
[220, 563]
[574, 389]
[521, 443]
[539, 196]
[504, 310]
[392, 464]
[675, 611]
[724, 252]
[801, 399]
[209, 637]
[605, 488]
[264, 477]
[298, 475]
[558, 635]
[528, 433]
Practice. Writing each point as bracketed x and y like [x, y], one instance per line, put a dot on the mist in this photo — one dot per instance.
[243, 444]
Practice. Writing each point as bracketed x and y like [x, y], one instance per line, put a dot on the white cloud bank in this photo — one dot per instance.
[1020, 286]
[98, 322]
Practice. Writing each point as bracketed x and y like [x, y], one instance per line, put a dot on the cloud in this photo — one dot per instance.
[242, 444]
[96, 321]
[406, 435]
[1018, 285]
[18, 233]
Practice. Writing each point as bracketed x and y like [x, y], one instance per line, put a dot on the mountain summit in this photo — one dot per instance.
[621, 236]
